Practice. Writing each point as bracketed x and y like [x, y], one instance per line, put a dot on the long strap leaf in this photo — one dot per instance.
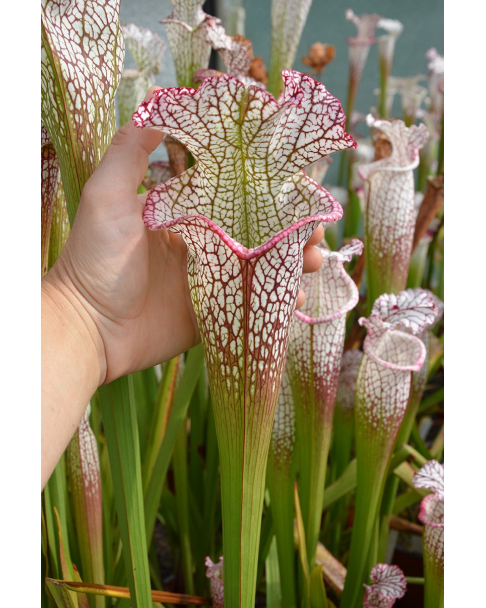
[121, 428]
[193, 367]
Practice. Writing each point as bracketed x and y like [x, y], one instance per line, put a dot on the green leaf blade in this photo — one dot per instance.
[120, 421]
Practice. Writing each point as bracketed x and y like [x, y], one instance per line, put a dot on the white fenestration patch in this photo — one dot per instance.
[79, 77]
[248, 177]
[186, 31]
[147, 49]
[288, 20]
[389, 585]
[431, 477]
[384, 378]
[390, 209]
[412, 309]
[215, 574]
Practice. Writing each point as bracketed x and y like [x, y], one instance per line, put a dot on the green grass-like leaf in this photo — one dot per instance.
[193, 367]
[120, 422]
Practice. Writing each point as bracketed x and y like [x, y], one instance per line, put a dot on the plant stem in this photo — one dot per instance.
[179, 462]
[340, 457]
[440, 155]
[281, 487]
[352, 215]
[120, 422]
[383, 88]
[367, 504]
[161, 413]
[415, 580]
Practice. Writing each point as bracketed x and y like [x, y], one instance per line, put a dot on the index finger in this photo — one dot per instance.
[317, 236]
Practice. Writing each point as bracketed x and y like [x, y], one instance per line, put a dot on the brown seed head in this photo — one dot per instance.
[258, 71]
[319, 56]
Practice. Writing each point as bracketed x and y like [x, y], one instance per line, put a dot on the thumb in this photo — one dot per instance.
[125, 162]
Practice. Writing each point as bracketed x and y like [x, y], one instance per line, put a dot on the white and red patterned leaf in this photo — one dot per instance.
[235, 51]
[389, 584]
[386, 43]
[50, 184]
[391, 354]
[189, 12]
[391, 348]
[346, 390]
[383, 385]
[390, 208]
[347, 252]
[82, 59]
[431, 477]
[412, 309]
[85, 486]
[412, 94]
[45, 139]
[131, 92]
[432, 510]
[264, 154]
[359, 45]
[314, 357]
[330, 292]
[436, 62]
[246, 211]
[283, 433]
[406, 143]
[366, 25]
[436, 81]
[215, 573]
[393, 27]
[146, 47]
[288, 20]
[186, 31]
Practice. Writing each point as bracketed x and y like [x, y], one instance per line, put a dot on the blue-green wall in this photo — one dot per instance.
[423, 22]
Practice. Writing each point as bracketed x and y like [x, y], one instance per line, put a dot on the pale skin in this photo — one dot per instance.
[117, 300]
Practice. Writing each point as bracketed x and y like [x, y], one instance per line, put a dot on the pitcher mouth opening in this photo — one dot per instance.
[241, 251]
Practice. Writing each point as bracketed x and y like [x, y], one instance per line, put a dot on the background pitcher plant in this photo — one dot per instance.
[382, 392]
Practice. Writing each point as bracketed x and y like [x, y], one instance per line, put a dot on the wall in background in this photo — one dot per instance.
[423, 23]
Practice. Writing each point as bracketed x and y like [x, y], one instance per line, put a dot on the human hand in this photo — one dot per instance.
[129, 281]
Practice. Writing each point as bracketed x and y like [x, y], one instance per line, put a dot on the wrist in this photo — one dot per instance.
[65, 306]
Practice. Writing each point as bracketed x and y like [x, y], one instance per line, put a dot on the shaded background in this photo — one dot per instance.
[423, 22]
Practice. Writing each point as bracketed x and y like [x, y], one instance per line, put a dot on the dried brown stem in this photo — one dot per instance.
[179, 599]
[403, 525]
[333, 572]
[177, 155]
[433, 201]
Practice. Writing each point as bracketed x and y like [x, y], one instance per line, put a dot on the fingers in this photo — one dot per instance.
[312, 256]
[300, 299]
[317, 236]
[312, 259]
[125, 162]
